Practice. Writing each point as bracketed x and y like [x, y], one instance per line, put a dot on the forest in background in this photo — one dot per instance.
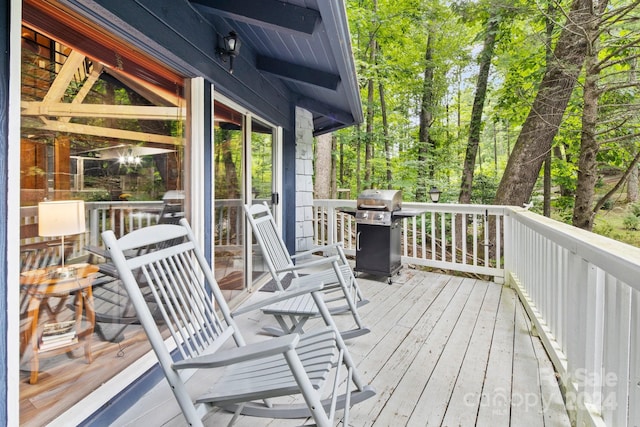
[497, 101]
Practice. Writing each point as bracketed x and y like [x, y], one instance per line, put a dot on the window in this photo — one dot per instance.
[90, 131]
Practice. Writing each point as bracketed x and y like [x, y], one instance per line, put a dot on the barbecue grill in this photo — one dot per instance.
[378, 214]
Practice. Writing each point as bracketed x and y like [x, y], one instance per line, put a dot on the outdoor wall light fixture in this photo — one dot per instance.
[230, 50]
[434, 193]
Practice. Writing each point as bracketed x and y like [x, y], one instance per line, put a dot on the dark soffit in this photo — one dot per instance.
[305, 44]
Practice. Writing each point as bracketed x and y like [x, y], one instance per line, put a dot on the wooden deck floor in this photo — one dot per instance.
[443, 351]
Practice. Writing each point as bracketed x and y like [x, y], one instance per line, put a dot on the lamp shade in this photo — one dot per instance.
[62, 217]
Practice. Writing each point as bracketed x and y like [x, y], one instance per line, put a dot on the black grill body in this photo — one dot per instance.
[378, 232]
[378, 249]
[379, 217]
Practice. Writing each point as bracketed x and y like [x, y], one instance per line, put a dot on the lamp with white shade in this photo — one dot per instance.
[61, 218]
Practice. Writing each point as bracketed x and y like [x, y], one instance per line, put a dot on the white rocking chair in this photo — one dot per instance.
[200, 322]
[334, 271]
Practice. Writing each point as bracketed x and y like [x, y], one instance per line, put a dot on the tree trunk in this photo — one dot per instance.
[478, 104]
[368, 147]
[545, 116]
[550, 19]
[587, 163]
[334, 166]
[583, 214]
[546, 203]
[358, 162]
[632, 186]
[230, 171]
[426, 118]
[459, 104]
[340, 167]
[385, 133]
[495, 150]
[368, 150]
[632, 166]
[561, 153]
[323, 167]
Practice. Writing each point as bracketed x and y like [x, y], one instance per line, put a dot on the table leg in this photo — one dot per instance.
[52, 312]
[32, 335]
[296, 326]
[91, 319]
[40, 301]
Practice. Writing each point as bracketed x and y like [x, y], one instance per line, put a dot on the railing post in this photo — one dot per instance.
[508, 246]
[94, 229]
[332, 233]
[592, 384]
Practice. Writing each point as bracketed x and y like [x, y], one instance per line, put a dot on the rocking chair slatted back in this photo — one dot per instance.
[334, 271]
[180, 288]
[273, 245]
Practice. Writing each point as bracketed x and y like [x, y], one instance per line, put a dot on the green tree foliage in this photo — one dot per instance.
[400, 29]
[527, 32]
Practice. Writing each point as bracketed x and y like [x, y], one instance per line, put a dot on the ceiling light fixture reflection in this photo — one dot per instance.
[129, 159]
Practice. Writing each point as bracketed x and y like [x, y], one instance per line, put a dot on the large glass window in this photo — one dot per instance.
[94, 133]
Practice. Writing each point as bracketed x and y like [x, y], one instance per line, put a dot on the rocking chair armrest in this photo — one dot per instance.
[336, 245]
[314, 263]
[253, 351]
[313, 250]
[281, 296]
[107, 267]
[97, 250]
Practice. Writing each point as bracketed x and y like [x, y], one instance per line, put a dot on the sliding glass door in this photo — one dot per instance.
[240, 140]
[263, 182]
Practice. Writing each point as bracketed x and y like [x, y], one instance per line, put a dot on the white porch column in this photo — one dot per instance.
[304, 180]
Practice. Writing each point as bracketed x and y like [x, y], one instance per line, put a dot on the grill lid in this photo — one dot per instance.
[386, 200]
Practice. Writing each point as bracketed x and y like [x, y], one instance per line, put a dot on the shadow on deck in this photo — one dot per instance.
[443, 351]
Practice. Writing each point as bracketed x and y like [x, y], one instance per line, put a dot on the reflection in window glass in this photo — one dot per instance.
[96, 134]
[231, 177]
[262, 165]
[229, 195]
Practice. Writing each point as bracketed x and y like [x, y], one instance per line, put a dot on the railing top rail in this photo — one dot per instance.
[457, 208]
[619, 259]
[335, 203]
[132, 203]
[431, 207]
[33, 210]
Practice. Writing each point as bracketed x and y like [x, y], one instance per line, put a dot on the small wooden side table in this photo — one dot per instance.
[40, 285]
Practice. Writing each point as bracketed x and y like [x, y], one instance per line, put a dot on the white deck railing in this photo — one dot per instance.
[432, 239]
[581, 290]
[122, 217]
